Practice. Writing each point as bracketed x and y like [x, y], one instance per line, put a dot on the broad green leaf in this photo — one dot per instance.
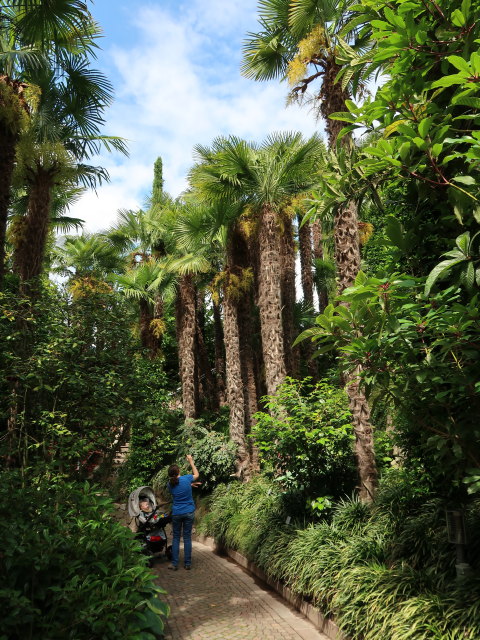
[458, 19]
[404, 150]
[449, 81]
[463, 242]
[460, 63]
[465, 8]
[475, 62]
[437, 271]
[424, 127]
[468, 180]
[469, 101]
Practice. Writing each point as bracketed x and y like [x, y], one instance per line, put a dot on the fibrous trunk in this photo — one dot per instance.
[219, 354]
[306, 264]
[7, 160]
[288, 297]
[31, 231]
[235, 396]
[186, 329]
[204, 368]
[270, 302]
[318, 254]
[347, 258]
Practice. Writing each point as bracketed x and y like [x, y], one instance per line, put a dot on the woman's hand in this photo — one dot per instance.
[194, 468]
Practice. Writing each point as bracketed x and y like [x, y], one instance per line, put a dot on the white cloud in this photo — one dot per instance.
[180, 85]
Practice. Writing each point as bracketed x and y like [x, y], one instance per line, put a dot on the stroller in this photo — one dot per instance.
[151, 527]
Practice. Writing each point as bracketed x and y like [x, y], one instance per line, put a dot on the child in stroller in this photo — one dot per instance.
[150, 522]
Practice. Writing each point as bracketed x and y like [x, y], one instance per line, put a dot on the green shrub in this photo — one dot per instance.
[307, 439]
[213, 452]
[67, 569]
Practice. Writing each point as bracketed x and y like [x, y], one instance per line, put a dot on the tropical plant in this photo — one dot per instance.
[35, 36]
[262, 177]
[306, 440]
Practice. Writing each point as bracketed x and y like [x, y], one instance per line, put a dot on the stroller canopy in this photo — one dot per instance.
[133, 500]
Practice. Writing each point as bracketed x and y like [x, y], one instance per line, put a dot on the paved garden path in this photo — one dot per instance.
[217, 600]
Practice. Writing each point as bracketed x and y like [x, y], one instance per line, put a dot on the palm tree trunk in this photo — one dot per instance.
[145, 320]
[7, 161]
[247, 358]
[347, 259]
[318, 254]
[31, 232]
[288, 293]
[234, 383]
[306, 263]
[219, 354]
[270, 302]
[186, 328]
[347, 247]
[205, 370]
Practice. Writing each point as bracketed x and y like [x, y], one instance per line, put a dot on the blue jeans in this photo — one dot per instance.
[185, 521]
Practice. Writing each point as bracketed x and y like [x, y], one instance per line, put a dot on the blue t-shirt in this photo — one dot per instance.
[182, 495]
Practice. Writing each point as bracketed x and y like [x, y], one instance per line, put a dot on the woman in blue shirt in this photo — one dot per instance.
[183, 511]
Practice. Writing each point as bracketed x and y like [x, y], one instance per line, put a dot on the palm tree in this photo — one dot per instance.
[298, 35]
[262, 177]
[34, 35]
[87, 256]
[63, 131]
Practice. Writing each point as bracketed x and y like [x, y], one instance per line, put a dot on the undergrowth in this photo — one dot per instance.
[384, 571]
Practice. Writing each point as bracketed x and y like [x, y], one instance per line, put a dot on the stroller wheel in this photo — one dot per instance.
[168, 552]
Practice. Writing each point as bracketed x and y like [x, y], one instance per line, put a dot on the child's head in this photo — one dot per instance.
[145, 504]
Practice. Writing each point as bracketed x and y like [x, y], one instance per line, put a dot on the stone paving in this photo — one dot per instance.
[217, 600]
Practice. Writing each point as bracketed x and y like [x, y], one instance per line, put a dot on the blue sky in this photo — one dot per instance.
[175, 68]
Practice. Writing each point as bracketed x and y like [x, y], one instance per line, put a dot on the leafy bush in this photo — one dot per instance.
[423, 353]
[67, 569]
[307, 439]
[155, 427]
[213, 452]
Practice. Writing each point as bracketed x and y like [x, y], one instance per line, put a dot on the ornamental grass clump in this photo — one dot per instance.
[383, 571]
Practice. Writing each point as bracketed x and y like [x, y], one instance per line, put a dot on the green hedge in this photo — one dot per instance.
[385, 572]
[67, 569]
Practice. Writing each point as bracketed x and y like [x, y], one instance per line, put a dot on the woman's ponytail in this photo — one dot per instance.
[173, 473]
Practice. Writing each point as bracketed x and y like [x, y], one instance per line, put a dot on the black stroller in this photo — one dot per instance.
[150, 526]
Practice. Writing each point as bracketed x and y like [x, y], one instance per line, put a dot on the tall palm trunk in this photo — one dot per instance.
[347, 259]
[288, 292]
[235, 396]
[11, 104]
[250, 396]
[219, 354]
[145, 320]
[31, 231]
[306, 263]
[7, 160]
[186, 329]
[269, 300]
[317, 237]
[205, 370]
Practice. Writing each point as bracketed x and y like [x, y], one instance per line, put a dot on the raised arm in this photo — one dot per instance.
[196, 475]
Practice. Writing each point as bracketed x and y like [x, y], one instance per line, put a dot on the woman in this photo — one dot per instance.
[183, 512]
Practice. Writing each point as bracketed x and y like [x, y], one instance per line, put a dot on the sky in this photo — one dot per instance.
[175, 68]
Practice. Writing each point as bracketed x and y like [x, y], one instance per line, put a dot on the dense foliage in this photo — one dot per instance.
[68, 570]
[306, 440]
[393, 555]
